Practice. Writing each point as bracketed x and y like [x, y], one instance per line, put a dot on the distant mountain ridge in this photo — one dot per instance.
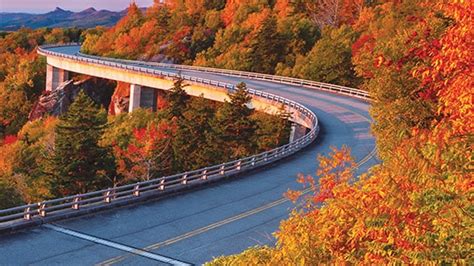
[60, 18]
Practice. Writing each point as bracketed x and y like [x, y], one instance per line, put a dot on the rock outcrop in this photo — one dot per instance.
[58, 101]
[120, 99]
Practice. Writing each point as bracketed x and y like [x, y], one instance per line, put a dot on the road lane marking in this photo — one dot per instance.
[115, 245]
[223, 222]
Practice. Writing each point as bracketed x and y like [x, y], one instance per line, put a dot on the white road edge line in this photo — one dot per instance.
[118, 246]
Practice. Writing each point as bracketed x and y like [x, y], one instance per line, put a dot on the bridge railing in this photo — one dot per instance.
[274, 78]
[48, 210]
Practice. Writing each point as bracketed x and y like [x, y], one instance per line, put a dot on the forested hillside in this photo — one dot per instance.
[293, 38]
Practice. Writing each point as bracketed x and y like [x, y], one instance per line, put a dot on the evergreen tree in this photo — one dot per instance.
[78, 163]
[9, 196]
[194, 145]
[234, 126]
[177, 99]
[266, 48]
[273, 130]
[330, 59]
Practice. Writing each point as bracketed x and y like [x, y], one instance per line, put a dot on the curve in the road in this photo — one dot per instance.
[196, 226]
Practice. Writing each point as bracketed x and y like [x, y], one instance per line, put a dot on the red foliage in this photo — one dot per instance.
[366, 40]
[143, 156]
[10, 139]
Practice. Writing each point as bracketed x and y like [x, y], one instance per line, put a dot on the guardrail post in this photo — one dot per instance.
[75, 206]
[253, 161]
[238, 165]
[204, 175]
[41, 209]
[136, 190]
[222, 170]
[107, 196]
[27, 214]
[162, 185]
[265, 157]
[185, 179]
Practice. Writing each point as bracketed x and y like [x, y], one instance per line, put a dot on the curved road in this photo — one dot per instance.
[194, 227]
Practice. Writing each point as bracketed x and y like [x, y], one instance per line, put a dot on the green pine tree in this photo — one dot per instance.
[177, 99]
[273, 130]
[233, 125]
[266, 48]
[194, 147]
[9, 196]
[78, 163]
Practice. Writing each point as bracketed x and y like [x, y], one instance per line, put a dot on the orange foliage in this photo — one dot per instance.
[283, 8]
[449, 76]
[255, 20]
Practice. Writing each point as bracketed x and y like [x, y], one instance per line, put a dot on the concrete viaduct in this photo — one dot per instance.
[154, 223]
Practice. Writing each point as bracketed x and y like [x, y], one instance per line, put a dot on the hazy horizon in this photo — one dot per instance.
[43, 6]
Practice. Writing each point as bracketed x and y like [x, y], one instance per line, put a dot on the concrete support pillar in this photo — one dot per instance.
[54, 77]
[293, 132]
[135, 97]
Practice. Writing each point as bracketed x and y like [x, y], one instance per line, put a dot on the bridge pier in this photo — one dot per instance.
[135, 97]
[141, 96]
[293, 132]
[297, 131]
[54, 77]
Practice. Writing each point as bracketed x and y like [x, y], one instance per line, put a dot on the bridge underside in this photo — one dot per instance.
[143, 87]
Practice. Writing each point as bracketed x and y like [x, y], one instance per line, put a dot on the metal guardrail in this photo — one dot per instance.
[35, 213]
[274, 78]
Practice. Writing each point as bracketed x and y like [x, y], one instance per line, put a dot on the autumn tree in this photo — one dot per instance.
[147, 155]
[384, 57]
[36, 140]
[9, 191]
[333, 13]
[119, 131]
[78, 164]
[22, 84]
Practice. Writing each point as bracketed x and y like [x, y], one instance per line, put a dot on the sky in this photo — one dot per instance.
[43, 6]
